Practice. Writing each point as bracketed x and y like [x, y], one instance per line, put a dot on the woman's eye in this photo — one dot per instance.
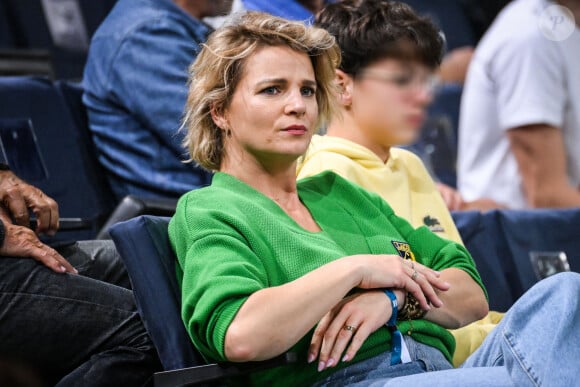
[308, 91]
[271, 90]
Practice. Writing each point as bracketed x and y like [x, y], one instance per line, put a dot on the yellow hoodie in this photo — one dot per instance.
[403, 181]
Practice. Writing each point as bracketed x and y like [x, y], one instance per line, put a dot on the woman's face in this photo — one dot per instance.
[273, 110]
[389, 101]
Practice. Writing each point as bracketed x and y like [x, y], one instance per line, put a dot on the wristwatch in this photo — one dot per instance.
[2, 233]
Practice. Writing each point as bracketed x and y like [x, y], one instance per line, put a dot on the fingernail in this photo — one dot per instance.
[62, 269]
[321, 366]
[345, 357]
[311, 358]
[330, 362]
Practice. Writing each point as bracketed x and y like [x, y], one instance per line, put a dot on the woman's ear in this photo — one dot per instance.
[218, 118]
[345, 86]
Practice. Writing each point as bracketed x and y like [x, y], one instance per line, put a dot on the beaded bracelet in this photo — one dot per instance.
[412, 309]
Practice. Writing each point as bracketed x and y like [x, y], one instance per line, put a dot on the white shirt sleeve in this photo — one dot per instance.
[528, 75]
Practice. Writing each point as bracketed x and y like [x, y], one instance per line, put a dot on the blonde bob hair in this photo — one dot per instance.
[215, 74]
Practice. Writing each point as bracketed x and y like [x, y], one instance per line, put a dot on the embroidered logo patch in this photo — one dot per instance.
[433, 224]
[404, 250]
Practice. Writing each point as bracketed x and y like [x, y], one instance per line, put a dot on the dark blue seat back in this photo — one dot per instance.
[501, 241]
[30, 29]
[73, 176]
[539, 230]
[72, 94]
[144, 245]
[479, 236]
[6, 33]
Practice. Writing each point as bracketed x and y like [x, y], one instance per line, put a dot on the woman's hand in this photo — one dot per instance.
[391, 271]
[348, 325]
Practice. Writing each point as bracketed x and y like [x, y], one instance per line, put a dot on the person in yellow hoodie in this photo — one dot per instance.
[385, 83]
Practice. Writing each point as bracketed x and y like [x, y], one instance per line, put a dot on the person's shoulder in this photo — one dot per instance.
[198, 198]
[332, 153]
[217, 195]
[516, 27]
[329, 146]
[329, 184]
[324, 182]
[130, 17]
[410, 162]
[407, 157]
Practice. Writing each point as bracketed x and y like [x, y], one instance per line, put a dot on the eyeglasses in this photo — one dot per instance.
[410, 81]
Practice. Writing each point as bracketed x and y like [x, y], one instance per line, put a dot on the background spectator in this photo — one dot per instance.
[519, 132]
[135, 91]
[67, 312]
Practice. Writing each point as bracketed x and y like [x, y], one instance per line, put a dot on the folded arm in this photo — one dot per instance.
[284, 314]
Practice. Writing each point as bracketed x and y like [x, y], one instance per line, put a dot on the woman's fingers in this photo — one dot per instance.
[360, 335]
[340, 333]
[433, 276]
[350, 324]
[422, 284]
[318, 336]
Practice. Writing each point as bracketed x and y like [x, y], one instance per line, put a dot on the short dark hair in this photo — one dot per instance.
[370, 30]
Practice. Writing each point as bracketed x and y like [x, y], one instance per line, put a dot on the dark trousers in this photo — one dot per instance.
[79, 330]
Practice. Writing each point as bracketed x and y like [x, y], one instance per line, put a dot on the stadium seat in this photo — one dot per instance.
[6, 33]
[548, 234]
[503, 244]
[143, 243]
[63, 28]
[478, 232]
[72, 175]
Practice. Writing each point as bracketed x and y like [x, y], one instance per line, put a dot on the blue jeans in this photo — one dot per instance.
[379, 368]
[536, 343]
[77, 330]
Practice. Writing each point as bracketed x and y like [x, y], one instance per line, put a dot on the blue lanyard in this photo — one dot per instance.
[396, 336]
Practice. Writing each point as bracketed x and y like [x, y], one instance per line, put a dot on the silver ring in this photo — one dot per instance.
[415, 275]
[349, 328]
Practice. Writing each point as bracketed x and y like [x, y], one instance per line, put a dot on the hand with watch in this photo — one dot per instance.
[17, 239]
[18, 198]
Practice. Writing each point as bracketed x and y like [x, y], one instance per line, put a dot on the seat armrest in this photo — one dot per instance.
[218, 371]
[132, 206]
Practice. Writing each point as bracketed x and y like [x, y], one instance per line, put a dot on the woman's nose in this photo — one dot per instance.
[296, 104]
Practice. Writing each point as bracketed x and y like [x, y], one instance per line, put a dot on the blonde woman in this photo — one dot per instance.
[322, 268]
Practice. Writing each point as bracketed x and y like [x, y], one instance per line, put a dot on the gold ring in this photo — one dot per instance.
[349, 328]
[415, 275]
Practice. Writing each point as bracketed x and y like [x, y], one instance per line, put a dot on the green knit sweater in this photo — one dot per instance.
[231, 241]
